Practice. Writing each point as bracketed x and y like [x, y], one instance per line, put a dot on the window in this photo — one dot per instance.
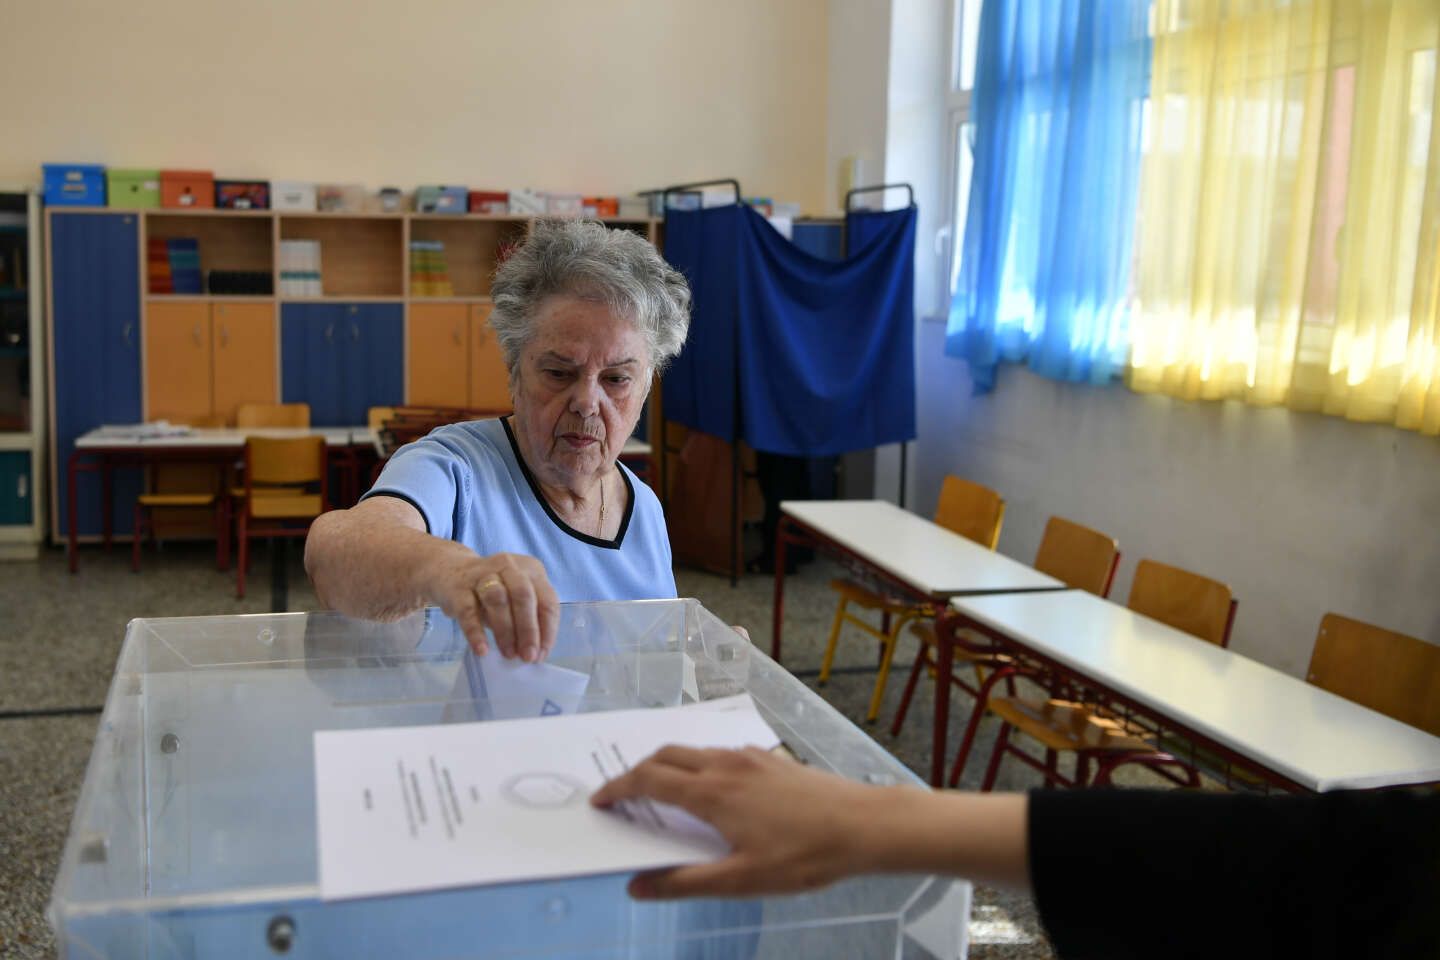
[964, 50]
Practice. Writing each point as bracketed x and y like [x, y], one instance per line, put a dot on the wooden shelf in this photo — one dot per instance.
[228, 239]
[211, 297]
[415, 299]
[472, 247]
[360, 256]
[338, 298]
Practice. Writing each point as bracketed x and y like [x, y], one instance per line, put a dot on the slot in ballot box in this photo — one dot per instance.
[195, 832]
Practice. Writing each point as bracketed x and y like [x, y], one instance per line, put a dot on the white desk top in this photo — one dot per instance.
[123, 438]
[917, 551]
[635, 448]
[1315, 738]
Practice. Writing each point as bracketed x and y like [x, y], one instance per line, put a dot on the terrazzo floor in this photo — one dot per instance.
[61, 636]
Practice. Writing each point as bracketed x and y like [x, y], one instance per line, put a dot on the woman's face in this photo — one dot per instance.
[578, 390]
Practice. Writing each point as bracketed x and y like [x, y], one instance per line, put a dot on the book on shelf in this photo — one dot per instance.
[172, 265]
[300, 269]
[429, 270]
[157, 266]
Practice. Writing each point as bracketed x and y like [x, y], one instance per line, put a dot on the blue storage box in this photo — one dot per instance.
[441, 200]
[74, 184]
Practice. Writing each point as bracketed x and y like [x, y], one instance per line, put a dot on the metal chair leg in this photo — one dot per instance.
[135, 537]
[892, 640]
[1001, 741]
[243, 561]
[922, 658]
[834, 640]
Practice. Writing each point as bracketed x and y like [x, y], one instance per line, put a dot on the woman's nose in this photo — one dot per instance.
[585, 397]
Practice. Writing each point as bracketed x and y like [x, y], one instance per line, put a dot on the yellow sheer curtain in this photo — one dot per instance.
[1289, 219]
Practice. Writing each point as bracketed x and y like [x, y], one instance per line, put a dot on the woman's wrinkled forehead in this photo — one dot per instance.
[582, 332]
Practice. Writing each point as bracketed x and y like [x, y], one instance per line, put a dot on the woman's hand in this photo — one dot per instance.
[791, 828]
[507, 592]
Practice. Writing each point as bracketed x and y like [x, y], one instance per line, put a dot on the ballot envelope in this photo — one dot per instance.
[195, 834]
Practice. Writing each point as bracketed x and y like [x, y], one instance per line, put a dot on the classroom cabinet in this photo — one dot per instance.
[17, 494]
[342, 359]
[95, 343]
[213, 356]
[454, 360]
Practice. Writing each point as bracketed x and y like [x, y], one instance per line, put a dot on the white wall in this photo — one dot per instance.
[601, 96]
[915, 153]
[857, 82]
[1301, 514]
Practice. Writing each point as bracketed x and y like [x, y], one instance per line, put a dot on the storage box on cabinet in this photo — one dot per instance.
[187, 189]
[74, 184]
[133, 189]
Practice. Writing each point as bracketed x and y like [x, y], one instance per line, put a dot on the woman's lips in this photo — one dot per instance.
[576, 441]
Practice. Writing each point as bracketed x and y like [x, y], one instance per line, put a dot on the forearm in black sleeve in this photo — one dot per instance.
[1139, 873]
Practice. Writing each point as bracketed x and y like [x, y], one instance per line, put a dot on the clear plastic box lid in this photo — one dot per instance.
[195, 832]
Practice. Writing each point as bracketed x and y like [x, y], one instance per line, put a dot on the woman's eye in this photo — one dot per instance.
[619, 381]
[555, 374]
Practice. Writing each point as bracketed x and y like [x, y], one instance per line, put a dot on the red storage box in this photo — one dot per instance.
[600, 206]
[193, 189]
[489, 201]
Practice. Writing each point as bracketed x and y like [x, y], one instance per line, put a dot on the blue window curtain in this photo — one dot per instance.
[1045, 262]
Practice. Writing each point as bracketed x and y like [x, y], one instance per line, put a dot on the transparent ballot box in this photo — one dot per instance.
[195, 832]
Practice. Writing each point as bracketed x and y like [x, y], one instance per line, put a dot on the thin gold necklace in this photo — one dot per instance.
[601, 532]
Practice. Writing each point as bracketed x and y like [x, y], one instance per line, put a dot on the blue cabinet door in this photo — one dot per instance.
[17, 499]
[95, 324]
[311, 336]
[374, 359]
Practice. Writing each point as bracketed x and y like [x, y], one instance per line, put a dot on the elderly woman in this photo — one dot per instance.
[497, 521]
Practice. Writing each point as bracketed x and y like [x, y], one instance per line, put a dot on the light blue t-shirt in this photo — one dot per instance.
[469, 483]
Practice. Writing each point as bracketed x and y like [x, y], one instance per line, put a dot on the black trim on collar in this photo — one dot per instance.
[550, 512]
[396, 494]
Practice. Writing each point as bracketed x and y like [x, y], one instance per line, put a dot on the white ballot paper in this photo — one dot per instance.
[421, 808]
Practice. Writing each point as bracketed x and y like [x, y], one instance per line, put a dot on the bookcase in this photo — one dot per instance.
[22, 421]
[123, 351]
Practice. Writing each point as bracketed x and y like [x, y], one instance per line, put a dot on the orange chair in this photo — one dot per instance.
[1075, 555]
[164, 501]
[1197, 605]
[969, 509]
[285, 489]
[251, 415]
[1389, 672]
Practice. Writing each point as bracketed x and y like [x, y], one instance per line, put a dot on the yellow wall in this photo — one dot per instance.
[602, 96]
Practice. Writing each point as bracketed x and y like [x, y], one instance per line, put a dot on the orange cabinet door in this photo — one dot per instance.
[177, 362]
[489, 380]
[438, 350]
[244, 339]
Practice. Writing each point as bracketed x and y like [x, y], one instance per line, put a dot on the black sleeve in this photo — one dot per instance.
[1139, 873]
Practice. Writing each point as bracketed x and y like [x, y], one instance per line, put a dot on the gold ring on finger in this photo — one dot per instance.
[491, 582]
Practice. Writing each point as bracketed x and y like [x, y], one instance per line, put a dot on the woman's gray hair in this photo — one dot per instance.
[586, 260]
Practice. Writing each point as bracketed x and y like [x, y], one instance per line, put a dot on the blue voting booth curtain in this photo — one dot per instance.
[1045, 262]
[796, 354]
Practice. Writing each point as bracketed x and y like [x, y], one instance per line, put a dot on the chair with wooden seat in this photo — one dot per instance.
[1189, 602]
[252, 415]
[969, 509]
[1076, 555]
[285, 489]
[144, 521]
[1391, 673]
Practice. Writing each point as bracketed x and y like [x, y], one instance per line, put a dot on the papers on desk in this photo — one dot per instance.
[142, 431]
[421, 808]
